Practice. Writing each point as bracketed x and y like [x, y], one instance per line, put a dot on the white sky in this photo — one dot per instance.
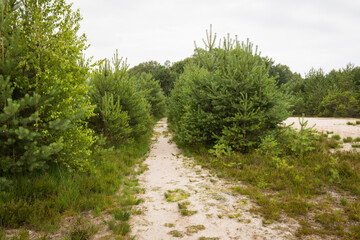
[299, 33]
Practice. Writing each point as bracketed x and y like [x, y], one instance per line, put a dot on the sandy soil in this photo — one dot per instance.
[220, 214]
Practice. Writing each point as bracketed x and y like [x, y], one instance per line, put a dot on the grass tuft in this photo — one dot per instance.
[176, 195]
[120, 228]
[194, 229]
[176, 233]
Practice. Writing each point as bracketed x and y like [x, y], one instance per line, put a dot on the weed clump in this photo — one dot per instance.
[176, 233]
[348, 140]
[194, 229]
[82, 230]
[120, 228]
[176, 195]
[336, 137]
[183, 207]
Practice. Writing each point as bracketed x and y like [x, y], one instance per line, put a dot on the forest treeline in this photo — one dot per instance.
[71, 131]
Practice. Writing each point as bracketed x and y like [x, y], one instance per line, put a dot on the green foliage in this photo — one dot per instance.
[348, 140]
[226, 99]
[153, 93]
[21, 144]
[342, 104]
[122, 112]
[336, 137]
[160, 73]
[43, 88]
[82, 230]
[282, 73]
[289, 174]
[40, 200]
[335, 94]
[120, 228]
[176, 195]
[306, 139]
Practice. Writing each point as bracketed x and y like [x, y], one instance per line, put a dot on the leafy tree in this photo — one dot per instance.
[226, 99]
[343, 104]
[42, 62]
[282, 73]
[160, 73]
[334, 94]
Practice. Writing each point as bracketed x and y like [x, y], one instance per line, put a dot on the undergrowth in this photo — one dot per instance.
[294, 175]
[39, 202]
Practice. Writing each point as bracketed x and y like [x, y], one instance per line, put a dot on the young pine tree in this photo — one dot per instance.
[226, 98]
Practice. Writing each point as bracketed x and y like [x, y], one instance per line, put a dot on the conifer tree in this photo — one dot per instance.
[153, 93]
[227, 98]
[119, 104]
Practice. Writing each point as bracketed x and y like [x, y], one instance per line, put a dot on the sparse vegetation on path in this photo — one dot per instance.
[182, 200]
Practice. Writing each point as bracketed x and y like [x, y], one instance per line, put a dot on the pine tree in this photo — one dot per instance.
[119, 104]
[153, 93]
[21, 144]
[226, 98]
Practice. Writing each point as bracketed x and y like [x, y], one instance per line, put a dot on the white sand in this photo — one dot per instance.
[169, 170]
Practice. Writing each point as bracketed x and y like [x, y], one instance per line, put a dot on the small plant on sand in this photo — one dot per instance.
[176, 233]
[209, 238]
[348, 140]
[176, 195]
[169, 225]
[183, 207]
[120, 228]
[336, 137]
[82, 230]
[122, 215]
[194, 229]
[353, 123]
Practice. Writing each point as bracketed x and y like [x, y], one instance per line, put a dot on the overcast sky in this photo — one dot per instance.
[299, 33]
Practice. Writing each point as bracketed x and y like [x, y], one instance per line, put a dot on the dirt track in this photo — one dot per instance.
[219, 214]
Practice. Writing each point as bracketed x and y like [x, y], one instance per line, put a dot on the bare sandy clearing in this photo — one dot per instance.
[213, 210]
[336, 125]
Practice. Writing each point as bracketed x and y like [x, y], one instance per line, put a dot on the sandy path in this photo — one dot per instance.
[222, 215]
